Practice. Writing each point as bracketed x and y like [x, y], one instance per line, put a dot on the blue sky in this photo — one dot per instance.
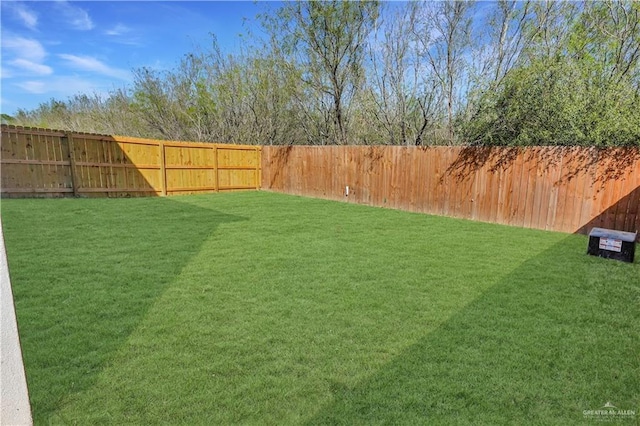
[56, 49]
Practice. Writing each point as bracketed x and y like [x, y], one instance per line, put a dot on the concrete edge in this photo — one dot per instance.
[14, 395]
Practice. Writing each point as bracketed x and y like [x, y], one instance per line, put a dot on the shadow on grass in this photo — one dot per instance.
[556, 337]
[84, 274]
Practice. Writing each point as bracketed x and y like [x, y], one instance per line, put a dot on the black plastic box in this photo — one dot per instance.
[612, 244]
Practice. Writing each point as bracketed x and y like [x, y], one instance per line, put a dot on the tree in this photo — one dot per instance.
[7, 119]
[402, 93]
[574, 84]
[327, 40]
[444, 39]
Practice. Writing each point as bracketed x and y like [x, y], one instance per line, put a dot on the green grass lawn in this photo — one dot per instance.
[262, 308]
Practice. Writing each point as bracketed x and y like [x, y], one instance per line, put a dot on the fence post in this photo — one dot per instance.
[216, 183]
[258, 167]
[163, 170]
[72, 162]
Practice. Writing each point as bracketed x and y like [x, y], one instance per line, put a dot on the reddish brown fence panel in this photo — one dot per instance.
[568, 189]
[42, 162]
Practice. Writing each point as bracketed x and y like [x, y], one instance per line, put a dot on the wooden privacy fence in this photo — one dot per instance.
[42, 162]
[566, 189]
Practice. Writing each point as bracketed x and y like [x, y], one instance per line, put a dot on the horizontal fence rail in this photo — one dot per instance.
[42, 162]
[568, 189]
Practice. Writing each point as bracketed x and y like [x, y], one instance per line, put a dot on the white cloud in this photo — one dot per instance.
[23, 57]
[78, 18]
[37, 87]
[26, 48]
[31, 67]
[88, 63]
[124, 35]
[62, 87]
[118, 30]
[24, 14]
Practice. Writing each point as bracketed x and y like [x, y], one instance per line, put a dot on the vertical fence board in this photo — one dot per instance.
[632, 220]
[566, 191]
[490, 195]
[75, 179]
[508, 192]
[539, 190]
[420, 181]
[435, 199]
[584, 181]
[490, 191]
[563, 199]
[494, 186]
[516, 171]
[372, 169]
[634, 209]
[623, 204]
[546, 161]
[588, 184]
[394, 177]
[554, 168]
[416, 181]
[427, 178]
[529, 174]
[37, 147]
[520, 185]
[502, 189]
